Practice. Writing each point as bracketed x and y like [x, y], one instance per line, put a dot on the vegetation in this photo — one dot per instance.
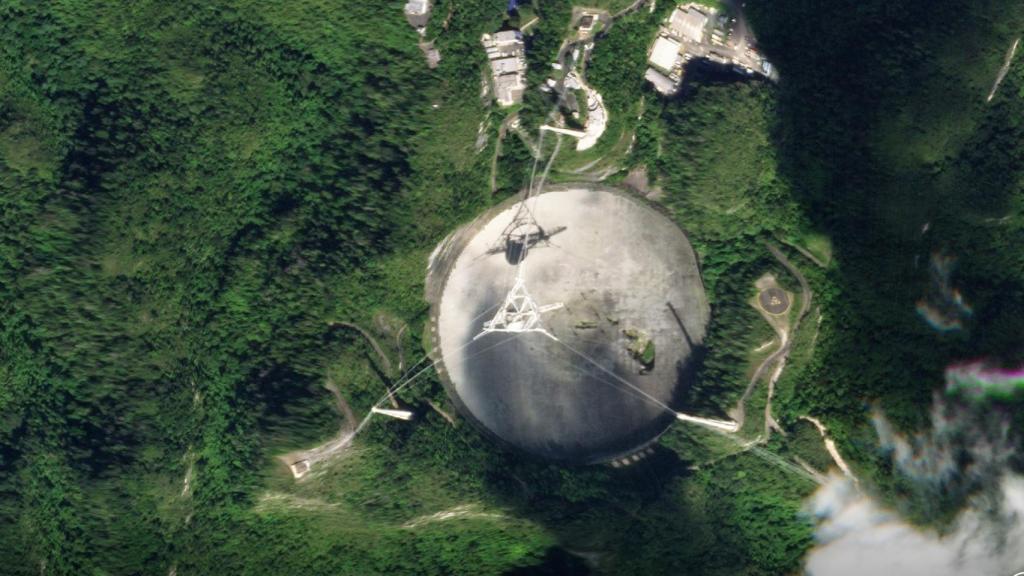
[192, 193]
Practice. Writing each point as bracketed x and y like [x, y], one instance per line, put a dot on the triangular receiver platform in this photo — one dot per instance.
[519, 313]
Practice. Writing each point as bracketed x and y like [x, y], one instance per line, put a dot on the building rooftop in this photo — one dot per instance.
[507, 65]
[509, 89]
[417, 12]
[505, 51]
[508, 37]
[665, 54]
[688, 24]
[417, 6]
[432, 54]
[661, 83]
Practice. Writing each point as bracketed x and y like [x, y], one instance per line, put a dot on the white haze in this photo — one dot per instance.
[857, 537]
[966, 451]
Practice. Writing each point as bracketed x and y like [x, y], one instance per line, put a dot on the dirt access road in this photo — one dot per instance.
[1003, 70]
[778, 357]
[300, 462]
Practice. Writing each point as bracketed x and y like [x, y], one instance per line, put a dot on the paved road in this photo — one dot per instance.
[742, 39]
[741, 32]
[1004, 69]
[385, 361]
[634, 6]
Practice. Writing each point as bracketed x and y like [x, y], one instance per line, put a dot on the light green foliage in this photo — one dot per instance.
[616, 71]
[719, 166]
[192, 191]
[647, 357]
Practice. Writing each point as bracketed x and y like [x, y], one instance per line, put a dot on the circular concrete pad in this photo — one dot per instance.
[774, 301]
[625, 274]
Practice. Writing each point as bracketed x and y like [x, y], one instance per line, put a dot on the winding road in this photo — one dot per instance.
[1004, 69]
[385, 361]
[785, 344]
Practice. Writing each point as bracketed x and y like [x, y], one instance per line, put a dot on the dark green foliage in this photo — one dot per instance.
[880, 134]
[513, 165]
[617, 67]
[718, 164]
[191, 192]
[888, 141]
[546, 36]
[735, 329]
[185, 189]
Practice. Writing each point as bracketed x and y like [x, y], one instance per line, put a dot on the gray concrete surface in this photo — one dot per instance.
[617, 266]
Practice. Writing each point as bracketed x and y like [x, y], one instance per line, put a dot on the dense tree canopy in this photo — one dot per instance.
[192, 192]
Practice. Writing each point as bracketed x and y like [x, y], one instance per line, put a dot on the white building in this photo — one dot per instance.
[661, 82]
[507, 39]
[509, 89]
[417, 13]
[507, 65]
[506, 52]
[664, 54]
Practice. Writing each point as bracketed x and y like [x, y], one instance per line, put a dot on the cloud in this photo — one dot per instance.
[858, 537]
[961, 462]
[966, 449]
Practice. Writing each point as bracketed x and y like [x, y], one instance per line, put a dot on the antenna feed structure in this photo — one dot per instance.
[519, 313]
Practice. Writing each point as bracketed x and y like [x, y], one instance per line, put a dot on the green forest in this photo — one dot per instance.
[196, 198]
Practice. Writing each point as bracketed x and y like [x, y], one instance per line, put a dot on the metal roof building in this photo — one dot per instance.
[507, 65]
[664, 54]
[662, 83]
[509, 89]
[688, 24]
[507, 38]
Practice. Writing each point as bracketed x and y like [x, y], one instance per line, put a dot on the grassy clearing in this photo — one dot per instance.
[818, 245]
